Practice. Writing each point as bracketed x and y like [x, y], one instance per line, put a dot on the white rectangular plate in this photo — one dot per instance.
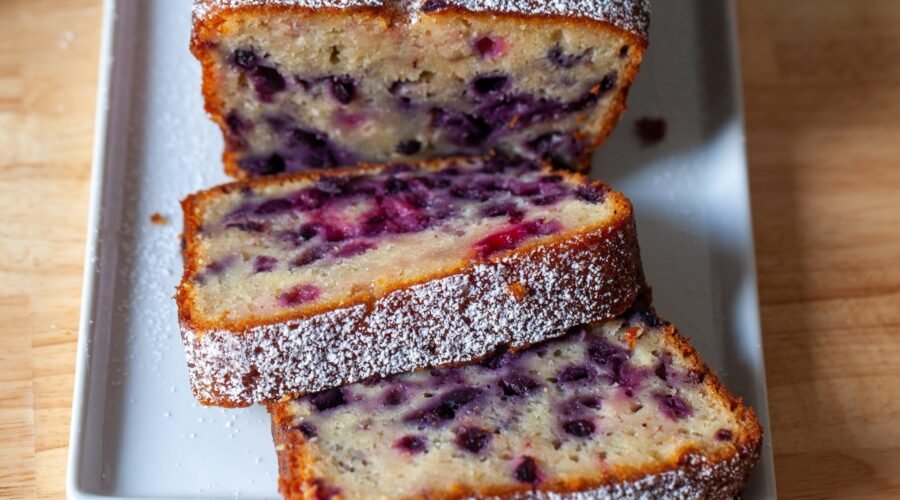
[136, 429]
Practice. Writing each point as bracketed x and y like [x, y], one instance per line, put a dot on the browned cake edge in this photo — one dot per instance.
[687, 473]
[520, 297]
[207, 29]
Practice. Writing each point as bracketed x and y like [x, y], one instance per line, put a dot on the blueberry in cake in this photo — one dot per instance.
[300, 84]
[302, 282]
[618, 409]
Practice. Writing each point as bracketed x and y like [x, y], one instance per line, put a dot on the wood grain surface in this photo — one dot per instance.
[822, 91]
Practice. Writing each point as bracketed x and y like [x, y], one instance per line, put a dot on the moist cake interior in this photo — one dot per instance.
[295, 245]
[321, 90]
[601, 400]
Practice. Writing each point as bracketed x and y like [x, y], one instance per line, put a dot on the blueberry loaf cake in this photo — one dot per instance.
[619, 409]
[302, 282]
[299, 84]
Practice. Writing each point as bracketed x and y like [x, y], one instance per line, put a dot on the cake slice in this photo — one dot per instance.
[299, 84]
[299, 283]
[619, 409]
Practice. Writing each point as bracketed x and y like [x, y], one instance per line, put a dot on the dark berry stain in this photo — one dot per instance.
[309, 231]
[589, 402]
[412, 444]
[508, 239]
[312, 149]
[661, 372]
[326, 400]
[579, 428]
[354, 248]
[673, 407]
[245, 58]
[560, 59]
[307, 429]
[236, 126]
[306, 258]
[603, 353]
[594, 193]
[325, 491]
[247, 226]
[299, 294]
[508, 209]
[275, 206]
[489, 47]
[264, 264]
[558, 148]
[263, 165]
[517, 384]
[472, 439]
[409, 147]
[500, 110]
[445, 408]
[219, 266]
[694, 377]
[267, 81]
[394, 396]
[724, 435]
[487, 84]
[573, 374]
[609, 82]
[463, 129]
[527, 471]
[343, 88]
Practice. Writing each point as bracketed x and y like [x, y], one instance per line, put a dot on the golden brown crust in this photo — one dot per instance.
[295, 473]
[723, 474]
[208, 29]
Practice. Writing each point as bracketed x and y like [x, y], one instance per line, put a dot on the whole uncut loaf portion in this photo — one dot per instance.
[618, 409]
[303, 282]
[300, 84]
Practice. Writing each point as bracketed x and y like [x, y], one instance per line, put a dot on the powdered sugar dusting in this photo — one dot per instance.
[204, 8]
[587, 278]
[630, 15]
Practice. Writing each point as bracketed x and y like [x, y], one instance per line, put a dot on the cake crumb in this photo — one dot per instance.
[631, 336]
[159, 219]
[518, 290]
[651, 130]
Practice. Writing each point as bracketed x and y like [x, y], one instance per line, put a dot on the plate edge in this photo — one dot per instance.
[102, 112]
[767, 460]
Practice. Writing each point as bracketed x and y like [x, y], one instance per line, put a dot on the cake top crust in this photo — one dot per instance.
[629, 15]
